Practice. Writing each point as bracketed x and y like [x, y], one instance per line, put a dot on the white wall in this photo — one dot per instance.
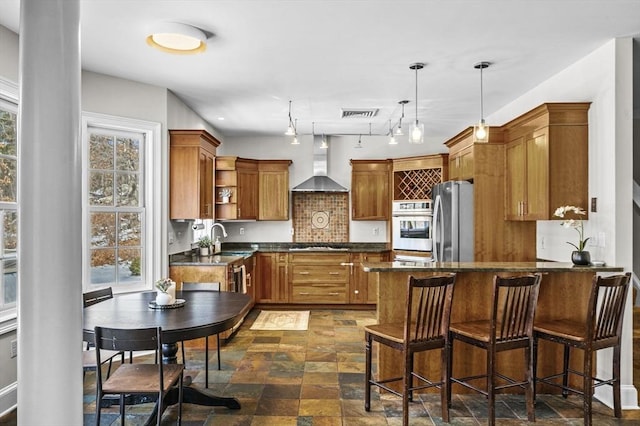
[603, 78]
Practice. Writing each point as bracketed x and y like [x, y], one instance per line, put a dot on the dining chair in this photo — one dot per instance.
[89, 361]
[214, 286]
[509, 327]
[425, 326]
[138, 378]
[602, 329]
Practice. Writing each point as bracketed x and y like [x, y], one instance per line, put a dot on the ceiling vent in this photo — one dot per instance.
[358, 113]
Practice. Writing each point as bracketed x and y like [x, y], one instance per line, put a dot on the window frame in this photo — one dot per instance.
[9, 95]
[151, 194]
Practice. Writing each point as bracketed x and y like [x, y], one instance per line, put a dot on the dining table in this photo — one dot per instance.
[198, 314]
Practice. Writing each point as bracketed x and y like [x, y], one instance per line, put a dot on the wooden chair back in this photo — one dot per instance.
[428, 309]
[606, 308]
[92, 297]
[514, 306]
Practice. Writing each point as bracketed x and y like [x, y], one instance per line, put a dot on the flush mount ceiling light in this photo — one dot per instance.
[175, 37]
[417, 128]
[399, 131]
[481, 131]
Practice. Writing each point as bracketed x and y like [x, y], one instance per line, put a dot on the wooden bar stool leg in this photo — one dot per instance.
[529, 390]
[367, 380]
[407, 383]
[491, 386]
[445, 390]
[565, 371]
[587, 387]
[617, 407]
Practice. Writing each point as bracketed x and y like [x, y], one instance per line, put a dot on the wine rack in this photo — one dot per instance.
[415, 184]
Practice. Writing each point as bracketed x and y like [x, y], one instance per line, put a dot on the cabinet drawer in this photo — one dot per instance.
[319, 293]
[319, 273]
[319, 257]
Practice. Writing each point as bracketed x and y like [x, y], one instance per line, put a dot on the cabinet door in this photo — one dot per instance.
[466, 165]
[272, 278]
[247, 194]
[207, 172]
[454, 167]
[370, 195]
[363, 286]
[273, 195]
[537, 183]
[515, 179]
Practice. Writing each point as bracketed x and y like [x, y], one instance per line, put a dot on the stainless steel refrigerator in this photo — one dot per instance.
[452, 221]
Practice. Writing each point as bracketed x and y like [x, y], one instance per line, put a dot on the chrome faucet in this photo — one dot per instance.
[224, 231]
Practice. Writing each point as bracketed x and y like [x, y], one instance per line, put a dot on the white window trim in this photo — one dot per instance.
[9, 92]
[153, 240]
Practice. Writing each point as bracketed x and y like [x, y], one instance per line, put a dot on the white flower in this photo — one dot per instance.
[573, 223]
[164, 284]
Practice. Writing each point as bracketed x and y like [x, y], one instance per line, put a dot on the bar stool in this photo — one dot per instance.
[428, 309]
[602, 329]
[509, 327]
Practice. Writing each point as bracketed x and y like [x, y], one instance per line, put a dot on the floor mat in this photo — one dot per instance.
[281, 320]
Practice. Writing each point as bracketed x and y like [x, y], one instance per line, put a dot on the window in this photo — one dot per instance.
[8, 206]
[117, 192]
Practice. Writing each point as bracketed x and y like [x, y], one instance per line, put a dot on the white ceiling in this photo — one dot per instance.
[325, 55]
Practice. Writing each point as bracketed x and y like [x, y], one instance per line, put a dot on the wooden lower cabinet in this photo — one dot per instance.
[271, 278]
[319, 278]
[363, 286]
[203, 274]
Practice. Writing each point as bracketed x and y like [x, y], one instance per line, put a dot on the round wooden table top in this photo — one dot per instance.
[204, 313]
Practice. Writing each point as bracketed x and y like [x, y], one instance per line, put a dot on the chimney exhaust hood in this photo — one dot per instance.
[319, 182]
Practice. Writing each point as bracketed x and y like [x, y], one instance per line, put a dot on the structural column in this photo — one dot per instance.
[50, 215]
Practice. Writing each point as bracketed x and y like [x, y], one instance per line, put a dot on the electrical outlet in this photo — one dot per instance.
[241, 231]
[376, 231]
[291, 231]
[13, 351]
[542, 242]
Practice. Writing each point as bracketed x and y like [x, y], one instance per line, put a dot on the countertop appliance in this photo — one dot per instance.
[412, 225]
[453, 221]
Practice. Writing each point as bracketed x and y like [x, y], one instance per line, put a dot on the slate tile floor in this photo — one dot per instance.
[315, 377]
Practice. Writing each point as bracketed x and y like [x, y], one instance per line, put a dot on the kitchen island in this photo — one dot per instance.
[564, 293]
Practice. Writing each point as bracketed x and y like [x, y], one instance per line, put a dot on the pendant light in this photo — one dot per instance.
[417, 129]
[399, 131]
[392, 138]
[295, 135]
[291, 130]
[481, 131]
[359, 144]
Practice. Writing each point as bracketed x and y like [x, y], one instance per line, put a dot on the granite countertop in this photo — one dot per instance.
[232, 252]
[214, 260]
[483, 267]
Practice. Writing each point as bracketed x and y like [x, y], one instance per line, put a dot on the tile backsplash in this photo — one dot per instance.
[321, 217]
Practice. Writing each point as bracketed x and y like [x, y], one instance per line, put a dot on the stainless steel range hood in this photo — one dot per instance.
[319, 182]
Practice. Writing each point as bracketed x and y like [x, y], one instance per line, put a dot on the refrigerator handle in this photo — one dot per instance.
[437, 231]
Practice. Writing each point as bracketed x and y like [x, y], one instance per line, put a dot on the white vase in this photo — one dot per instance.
[172, 292]
[225, 199]
[163, 298]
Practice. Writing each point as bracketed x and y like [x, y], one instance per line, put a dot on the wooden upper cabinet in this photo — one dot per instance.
[239, 177]
[273, 195]
[191, 174]
[370, 195]
[547, 161]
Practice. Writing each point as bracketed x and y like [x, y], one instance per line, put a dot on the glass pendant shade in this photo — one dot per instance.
[399, 131]
[295, 141]
[290, 131]
[481, 132]
[392, 140]
[417, 133]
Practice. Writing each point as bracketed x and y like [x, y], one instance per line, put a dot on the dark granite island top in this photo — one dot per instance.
[564, 293]
[524, 267]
